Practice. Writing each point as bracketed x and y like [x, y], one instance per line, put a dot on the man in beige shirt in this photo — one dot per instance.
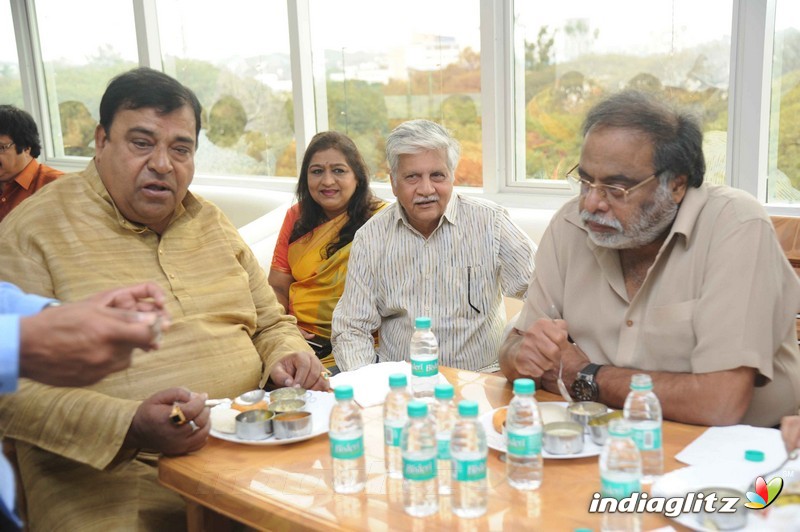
[87, 456]
[653, 271]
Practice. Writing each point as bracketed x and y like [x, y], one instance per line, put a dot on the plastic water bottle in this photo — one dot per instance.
[468, 451]
[620, 475]
[524, 438]
[444, 416]
[418, 442]
[643, 412]
[424, 354]
[394, 419]
[347, 443]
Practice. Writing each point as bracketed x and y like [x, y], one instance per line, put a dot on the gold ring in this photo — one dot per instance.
[176, 415]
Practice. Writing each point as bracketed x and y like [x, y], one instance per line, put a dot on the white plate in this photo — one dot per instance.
[497, 441]
[318, 403]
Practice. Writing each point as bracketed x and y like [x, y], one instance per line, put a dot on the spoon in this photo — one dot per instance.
[789, 458]
[248, 398]
[552, 313]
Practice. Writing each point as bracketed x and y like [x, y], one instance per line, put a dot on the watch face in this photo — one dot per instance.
[584, 390]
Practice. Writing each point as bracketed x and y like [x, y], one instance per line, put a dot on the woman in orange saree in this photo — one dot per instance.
[309, 265]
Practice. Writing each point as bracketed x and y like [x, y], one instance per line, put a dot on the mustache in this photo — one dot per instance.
[587, 217]
[426, 199]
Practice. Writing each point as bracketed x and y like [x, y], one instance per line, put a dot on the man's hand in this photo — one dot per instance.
[301, 369]
[790, 432]
[152, 429]
[77, 344]
[145, 297]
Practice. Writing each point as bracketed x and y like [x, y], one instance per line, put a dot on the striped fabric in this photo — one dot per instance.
[457, 277]
[69, 241]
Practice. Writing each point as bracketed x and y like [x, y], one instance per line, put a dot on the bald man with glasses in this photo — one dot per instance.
[649, 270]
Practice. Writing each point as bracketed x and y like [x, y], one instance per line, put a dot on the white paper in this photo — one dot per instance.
[371, 382]
[720, 452]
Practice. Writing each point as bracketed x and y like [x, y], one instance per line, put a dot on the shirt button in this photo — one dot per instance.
[160, 251]
[172, 276]
[629, 323]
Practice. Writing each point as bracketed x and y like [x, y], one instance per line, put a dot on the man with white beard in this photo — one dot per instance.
[655, 272]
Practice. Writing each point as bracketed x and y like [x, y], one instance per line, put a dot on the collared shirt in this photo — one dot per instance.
[14, 305]
[457, 277]
[719, 295]
[33, 177]
[228, 330]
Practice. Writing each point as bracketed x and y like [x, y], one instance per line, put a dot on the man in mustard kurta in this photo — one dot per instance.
[87, 456]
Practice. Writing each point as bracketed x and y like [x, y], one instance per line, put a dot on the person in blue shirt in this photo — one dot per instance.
[75, 344]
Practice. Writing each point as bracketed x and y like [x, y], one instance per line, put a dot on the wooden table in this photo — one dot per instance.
[288, 487]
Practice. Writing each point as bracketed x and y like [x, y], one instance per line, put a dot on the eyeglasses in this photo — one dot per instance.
[5, 147]
[614, 193]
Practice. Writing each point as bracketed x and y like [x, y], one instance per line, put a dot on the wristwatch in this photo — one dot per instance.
[584, 387]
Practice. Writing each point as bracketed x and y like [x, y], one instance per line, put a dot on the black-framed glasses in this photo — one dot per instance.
[5, 147]
[616, 193]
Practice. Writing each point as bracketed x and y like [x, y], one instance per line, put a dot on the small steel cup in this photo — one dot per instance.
[723, 521]
[292, 424]
[598, 425]
[582, 411]
[563, 437]
[286, 405]
[254, 424]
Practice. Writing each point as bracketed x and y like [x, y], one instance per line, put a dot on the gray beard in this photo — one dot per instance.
[653, 220]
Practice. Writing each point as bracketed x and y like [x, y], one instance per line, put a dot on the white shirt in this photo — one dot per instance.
[457, 277]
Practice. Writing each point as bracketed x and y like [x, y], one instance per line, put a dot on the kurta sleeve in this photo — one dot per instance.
[356, 315]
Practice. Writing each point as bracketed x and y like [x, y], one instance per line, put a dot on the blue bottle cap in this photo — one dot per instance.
[443, 391]
[417, 409]
[525, 386]
[397, 380]
[753, 455]
[345, 391]
[422, 322]
[468, 409]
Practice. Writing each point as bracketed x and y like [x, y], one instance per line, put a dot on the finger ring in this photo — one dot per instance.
[325, 374]
[176, 415]
[194, 426]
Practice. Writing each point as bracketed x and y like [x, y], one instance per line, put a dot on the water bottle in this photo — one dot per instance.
[424, 354]
[620, 475]
[418, 443]
[468, 451]
[394, 419]
[524, 438]
[643, 412]
[347, 443]
[444, 416]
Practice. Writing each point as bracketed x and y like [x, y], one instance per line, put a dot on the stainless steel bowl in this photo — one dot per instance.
[254, 424]
[286, 405]
[723, 521]
[598, 425]
[292, 424]
[582, 411]
[285, 394]
[563, 437]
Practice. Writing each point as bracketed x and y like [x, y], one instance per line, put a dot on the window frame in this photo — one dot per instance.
[752, 31]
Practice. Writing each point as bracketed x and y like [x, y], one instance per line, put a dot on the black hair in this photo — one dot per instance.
[21, 127]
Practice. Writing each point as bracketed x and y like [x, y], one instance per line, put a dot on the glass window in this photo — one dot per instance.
[79, 57]
[237, 62]
[415, 59]
[10, 84]
[783, 185]
[575, 52]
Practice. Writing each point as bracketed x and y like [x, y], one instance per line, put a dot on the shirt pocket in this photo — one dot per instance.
[669, 337]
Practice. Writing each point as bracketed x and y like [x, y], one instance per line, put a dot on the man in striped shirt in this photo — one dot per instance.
[432, 253]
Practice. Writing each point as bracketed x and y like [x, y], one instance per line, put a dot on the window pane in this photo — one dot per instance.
[10, 84]
[419, 60]
[77, 69]
[237, 62]
[575, 52]
[784, 138]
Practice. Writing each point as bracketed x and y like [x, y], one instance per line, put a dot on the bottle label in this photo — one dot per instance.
[527, 443]
[619, 489]
[419, 470]
[470, 470]
[443, 448]
[647, 439]
[391, 434]
[424, 368]
[347, 449]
